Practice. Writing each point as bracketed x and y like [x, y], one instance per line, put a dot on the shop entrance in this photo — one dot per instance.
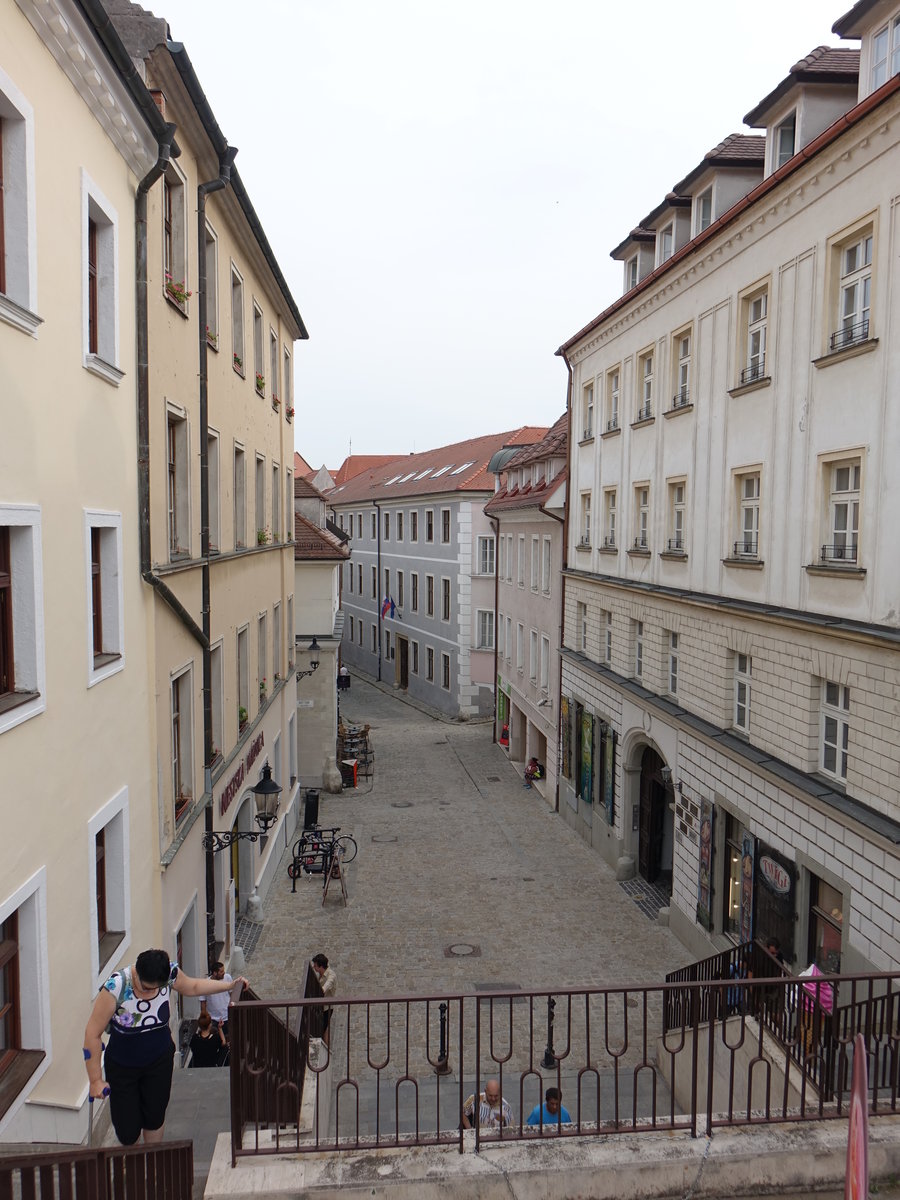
[656, 823]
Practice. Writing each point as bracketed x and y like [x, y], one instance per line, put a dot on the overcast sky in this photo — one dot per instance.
[442, 182]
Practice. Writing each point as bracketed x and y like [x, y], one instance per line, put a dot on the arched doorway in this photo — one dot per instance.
[656, 823]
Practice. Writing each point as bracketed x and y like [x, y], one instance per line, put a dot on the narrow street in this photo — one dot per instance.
[453, 852]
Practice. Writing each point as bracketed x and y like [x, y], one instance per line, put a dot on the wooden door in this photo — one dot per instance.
[403, 674]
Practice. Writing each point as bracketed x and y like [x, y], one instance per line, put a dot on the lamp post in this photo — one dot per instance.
[313, 659]
[266, 794]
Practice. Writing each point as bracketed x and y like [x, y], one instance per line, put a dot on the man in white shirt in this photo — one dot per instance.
[217, 1003]
[328, 984]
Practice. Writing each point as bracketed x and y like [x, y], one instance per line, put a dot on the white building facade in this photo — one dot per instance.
[731, 661]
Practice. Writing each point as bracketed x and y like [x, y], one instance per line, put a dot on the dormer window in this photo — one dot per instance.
[703, 211]
[785, 140]
[665, 242]
[631, 273]
[886, 53]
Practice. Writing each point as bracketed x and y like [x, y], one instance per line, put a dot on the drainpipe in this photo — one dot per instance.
[565, 563]
[378, 581]
[495, 525]
[226, 159]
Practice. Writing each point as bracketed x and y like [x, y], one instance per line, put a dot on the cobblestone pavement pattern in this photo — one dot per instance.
[478, 859]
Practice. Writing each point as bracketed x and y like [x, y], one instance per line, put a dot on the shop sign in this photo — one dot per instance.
[235, 783]
[775, 875]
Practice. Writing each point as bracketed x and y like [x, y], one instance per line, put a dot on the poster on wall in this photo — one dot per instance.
[704, 871]
[587, 757]
[566, 738]
[608, 754]
[747, 860]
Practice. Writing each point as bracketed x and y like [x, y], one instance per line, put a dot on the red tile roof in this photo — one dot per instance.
[355, 464]
[739, 151]
[301, 466]
[825, 64]
[303, 487]
[312, 544]
[461, 467]
[553, 445]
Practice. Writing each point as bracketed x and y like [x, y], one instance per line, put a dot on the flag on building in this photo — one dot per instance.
[388, 608]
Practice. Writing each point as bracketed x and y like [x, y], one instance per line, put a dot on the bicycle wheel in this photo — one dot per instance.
[348, 847]
[293, 870]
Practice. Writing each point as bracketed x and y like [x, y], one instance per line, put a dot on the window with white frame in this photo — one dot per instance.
[638, 630]
[400, 526]
[520, 647]
[415, 657]
[743, 670]
[445, 599]
[521, 563]
[414, 591]
[665, 242]
[785, 141]
[841, 543]
[747, 544]
[834, 729]
[237, 320]
[544, 680]
[445, 525]
[645, 386]
[182, 742]
[509, 558]
[535, 562]
[581, 626]
[243, 677]
[429, 595]
[609, 519]
[533, 655]
[212, 459]
[22, 666]
[386, 520]
[287, 384]
[217, 691]
[289, 510]
[414, 525]
[485, 631]
[262, 654]
[262, 531]
[609, 635]
[587, 404]
[175, 238]
[352, 629]
[105, 586]
[676, 540]
[612, 400]
[387, 645]
[374, 526]
[642, 517]
[631, 273]
[277, 667]
[259, 369]
[240, 499]
[18, 244]
[110, 898]
[855, 291]
[681, 358]
[486, 556]
[754, 310]
[24, 995]
[274, 388]
[373, 582]
[445, 671]
[276, 503]
[211, 250]
[400, 590]
[509, 645]
[585, 539]
[178, 492]
[673, 663]
[387, 583]
[886, 53]
[546, 564]
[703, 210]
[289, 625]
[429, 664]
[429, 524]
[101, 283]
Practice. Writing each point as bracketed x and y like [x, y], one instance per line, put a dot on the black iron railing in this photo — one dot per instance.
[842, 553]
[609, 543]
[729, 1041]
[675, 545]
[746, 548]
[611, 424]
[756, 370]
[645, 412]
[164, 1172]
[849, 335]
[681, 399]
[640, 542]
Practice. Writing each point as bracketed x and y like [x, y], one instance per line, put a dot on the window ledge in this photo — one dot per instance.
[834, 571]
[845, 352]
[642, 421]
[238, 370]
[580, 546]
[586, 440]
[108, 944]
[753, 386]
[608, 549]
[674, 555]
[746, 564]
[20, 1068]
[15, 699]
[213, 345]
[609, 433]
[105, 370]
[179, 308]
[105, 665]
[19, 317]
[632, 553]
[678, 410]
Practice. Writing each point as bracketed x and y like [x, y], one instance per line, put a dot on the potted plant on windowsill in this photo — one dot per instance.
[176, 290]
[262, 689]
[242, 718]
[289, 412]
[238, 363]
[262, 537]
[276, 403]
[260, 383]
[182, 803]
[212, 339]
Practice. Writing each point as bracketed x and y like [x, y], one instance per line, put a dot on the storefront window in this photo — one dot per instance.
[732, 918]
[826, 918]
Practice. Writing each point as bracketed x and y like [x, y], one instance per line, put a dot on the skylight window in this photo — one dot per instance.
[406, 477]
[388, 482]
[464, 467]
[422, 474]
[441, 470]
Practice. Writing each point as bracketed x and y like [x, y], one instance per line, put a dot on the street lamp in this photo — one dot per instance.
[266, 794]
[313, 659]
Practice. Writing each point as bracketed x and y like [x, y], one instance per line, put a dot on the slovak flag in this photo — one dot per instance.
[388, 608]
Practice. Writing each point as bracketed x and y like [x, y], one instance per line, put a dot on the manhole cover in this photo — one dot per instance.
[383, 837]
[402, 804]
[462, 950]
[493, 778]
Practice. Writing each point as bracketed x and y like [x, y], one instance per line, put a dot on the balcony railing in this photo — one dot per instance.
[675, 545]
[640, 542]
[845, 553]
[588, 434]
[849, 335]
[756, 370]
[681, 399]
[399, 1069]
[746, 548]
[645, 412]
[609, 543]
[611, 424]
[164, 1172]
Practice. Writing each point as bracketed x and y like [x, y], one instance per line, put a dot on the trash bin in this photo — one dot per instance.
[349, 768]
[311, 809]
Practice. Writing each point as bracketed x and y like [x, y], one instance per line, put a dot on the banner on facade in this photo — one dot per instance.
[704, 870]
[565, 731]
[586, 788]
[747, 867]
[608, 755]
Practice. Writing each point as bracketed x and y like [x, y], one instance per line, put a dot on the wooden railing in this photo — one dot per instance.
[163, 1172]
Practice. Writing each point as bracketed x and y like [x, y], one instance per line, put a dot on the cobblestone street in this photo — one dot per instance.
[453, 852]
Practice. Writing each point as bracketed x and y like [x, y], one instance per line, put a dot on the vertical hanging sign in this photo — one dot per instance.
[587, 763]
[609, 771]
[704, 870]
[566, 738]
[747, 864]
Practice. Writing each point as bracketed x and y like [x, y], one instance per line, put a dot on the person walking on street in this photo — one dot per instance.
[493, 1110]
[134, 1004]
[328, 984]
[208, 1044]
[216, 1003]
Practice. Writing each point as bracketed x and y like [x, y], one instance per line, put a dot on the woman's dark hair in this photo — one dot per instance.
[153, 967]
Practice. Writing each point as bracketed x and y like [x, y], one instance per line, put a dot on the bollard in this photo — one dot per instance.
[549, 1059]
[443, 1066]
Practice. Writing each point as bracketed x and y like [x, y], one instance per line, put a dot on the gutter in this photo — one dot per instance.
[831, 134]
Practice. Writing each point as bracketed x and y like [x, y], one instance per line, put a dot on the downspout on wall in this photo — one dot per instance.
[565, 563]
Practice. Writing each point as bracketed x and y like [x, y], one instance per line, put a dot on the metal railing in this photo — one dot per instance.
[675, 544]
[681, 399]
[746, 548]
[611, 424]
[645, 411]
[756, 370]
[706, 1048]
[849, 335]
[842, 553]
[163, 1172]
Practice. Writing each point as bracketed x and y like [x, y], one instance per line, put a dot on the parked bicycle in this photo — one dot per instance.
[316, 848]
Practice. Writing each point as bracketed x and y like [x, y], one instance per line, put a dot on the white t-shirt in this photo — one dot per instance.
[217, 1003]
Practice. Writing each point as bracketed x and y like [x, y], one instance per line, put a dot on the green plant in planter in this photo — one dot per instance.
[238, 363]
[242, 715]
[260, 382]
[262, 537]
[176, 289]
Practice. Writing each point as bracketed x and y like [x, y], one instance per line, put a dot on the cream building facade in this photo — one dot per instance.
[223, 576]
[731, 667]
[78, 891]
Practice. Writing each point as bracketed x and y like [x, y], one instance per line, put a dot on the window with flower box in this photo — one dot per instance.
[182, 742]
[237, 320]
[175, 283]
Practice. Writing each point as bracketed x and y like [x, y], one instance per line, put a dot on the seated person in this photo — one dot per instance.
[534, 770]
[208, 1043]
[493, 1110]
[551, 1111]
